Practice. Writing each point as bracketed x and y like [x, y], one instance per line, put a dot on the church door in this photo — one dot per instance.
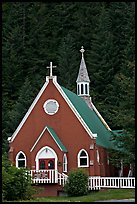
[46, 164]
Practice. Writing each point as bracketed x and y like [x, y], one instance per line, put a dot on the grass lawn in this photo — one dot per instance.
[107, 194]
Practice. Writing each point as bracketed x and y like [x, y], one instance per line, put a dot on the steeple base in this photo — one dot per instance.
[88, 101]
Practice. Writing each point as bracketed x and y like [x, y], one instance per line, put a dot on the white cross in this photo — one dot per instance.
[82, 50]
[51, 67]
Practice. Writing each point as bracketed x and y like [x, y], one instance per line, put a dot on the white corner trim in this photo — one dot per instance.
[29, 110]
[92, 135]
[101, 118]
[41, 136]
[9, 138]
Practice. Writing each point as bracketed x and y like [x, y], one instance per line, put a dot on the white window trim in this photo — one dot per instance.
[51, 100]
[65, 163]
[78, 158]
[39, 152]
[108, 159]
[55, 156]
[21, 152]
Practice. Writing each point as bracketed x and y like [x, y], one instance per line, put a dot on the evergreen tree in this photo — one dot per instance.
[68, 63]
[35, 33]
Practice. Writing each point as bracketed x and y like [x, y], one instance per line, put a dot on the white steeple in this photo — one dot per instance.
[83, 78]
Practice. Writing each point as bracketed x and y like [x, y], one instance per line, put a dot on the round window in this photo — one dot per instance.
[51, 106]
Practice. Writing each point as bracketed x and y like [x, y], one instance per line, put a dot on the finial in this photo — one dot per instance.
[51, 67]
[82, 50]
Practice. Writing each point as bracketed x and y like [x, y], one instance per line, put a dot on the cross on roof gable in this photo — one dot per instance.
[51, 67]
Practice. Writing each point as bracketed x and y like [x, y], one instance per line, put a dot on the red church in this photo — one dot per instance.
[62, 131]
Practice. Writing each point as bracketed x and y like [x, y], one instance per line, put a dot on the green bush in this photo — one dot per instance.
[77, 183]
[16, 183]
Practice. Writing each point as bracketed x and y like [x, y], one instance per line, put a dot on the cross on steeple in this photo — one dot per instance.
[82, 50]
[51, 67]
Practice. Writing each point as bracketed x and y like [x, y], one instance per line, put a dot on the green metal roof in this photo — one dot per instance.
[54, 135]
[92, 120]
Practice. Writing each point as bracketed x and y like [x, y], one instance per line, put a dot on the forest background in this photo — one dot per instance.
[35, 33]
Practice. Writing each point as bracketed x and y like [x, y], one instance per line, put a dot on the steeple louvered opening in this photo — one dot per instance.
[83, 89]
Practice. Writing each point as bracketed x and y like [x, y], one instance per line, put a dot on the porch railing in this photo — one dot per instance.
[96, 183]
[48, 176]
[43, 176]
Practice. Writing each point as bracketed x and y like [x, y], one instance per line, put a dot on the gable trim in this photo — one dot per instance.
[54, 136]
[10, 139]
[101, 118]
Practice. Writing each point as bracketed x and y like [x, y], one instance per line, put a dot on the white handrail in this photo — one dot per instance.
[62, 178]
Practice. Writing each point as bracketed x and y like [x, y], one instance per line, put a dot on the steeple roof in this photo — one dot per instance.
[83, 74]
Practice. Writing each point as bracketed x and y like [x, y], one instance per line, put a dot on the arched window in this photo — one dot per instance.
[65, 163]
[108, 159]
[20, 160]
[83, 159]
[98, 159]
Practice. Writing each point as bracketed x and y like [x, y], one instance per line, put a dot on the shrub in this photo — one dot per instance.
[16, 183]
[77, 183]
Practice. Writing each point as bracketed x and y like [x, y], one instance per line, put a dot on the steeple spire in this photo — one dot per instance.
[83, 78]
[83, 81]
[83, 74]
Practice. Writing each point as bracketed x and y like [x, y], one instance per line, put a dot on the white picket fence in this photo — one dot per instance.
[94, 182]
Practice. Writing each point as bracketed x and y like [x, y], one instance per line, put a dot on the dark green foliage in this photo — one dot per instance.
[77, 183]
[16, 183]
[35, 33]
[125, 149]
[67, 63]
